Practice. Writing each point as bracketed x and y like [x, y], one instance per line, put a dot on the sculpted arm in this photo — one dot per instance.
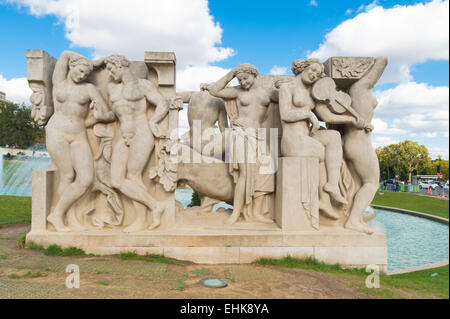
[288, 112]
[291, 114]
[219, 89]
[324, 113]
[162, 108]
[101, 110]
[62, 66]
[373, 75]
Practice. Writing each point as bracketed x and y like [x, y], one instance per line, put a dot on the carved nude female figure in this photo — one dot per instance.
[358, 150]
[252, 101]
[66, 137]
[128, 96]
[296, 112]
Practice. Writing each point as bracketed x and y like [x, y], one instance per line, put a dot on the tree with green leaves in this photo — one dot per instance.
[195, 200]
[404, 159]
[17, 127]
[433, 170]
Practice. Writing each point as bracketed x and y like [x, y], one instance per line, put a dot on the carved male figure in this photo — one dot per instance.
[128, 96]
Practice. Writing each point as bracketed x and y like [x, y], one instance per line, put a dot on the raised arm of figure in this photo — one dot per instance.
[162, 108]
[62, 66]
[219, 89]
[371, 78]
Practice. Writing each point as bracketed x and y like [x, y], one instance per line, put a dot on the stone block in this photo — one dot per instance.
[347, 70]
[41, 200]
[297, 196]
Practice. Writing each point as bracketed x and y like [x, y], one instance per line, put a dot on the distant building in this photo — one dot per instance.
[3, 97]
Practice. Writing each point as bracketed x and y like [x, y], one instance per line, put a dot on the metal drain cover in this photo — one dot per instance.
[213, 283]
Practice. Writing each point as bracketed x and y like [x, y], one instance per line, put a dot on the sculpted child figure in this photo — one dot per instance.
[296, 112]
[66, 137]
[247, 108]
[128, 96]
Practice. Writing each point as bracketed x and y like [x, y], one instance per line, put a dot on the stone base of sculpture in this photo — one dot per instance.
[243, 243]
[201, 238]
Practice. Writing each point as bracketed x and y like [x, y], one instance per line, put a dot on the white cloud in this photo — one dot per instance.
[190, 78]
[424, 135]
[414, 111]
[436, 151]
[313, 3]
[412, 98]
[367, 7]
[380, 141]
[381, 127]
[278, 70]
[348, 11]
[134, 26]
[16, 89]
[406, 34]
[424, 123]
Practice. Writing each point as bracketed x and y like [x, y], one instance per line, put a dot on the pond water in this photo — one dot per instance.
[15, 176]
[184, 196]
[412, 241]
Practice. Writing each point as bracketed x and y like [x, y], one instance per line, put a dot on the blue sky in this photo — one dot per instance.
[211, 37]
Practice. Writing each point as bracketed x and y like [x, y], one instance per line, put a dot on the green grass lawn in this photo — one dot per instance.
[418, 284]
[15, 210]
[419, 203]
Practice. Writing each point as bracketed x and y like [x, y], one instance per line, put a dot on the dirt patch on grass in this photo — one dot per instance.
[111, 277]
[14, 231]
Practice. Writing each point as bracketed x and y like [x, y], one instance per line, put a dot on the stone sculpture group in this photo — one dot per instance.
[289, 153]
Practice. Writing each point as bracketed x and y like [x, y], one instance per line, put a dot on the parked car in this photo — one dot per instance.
[440, 184]
[391, 181]
[446, 186]
[428, 184]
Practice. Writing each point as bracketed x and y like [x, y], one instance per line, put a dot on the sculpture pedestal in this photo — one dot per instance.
[348, 248]
[207, 240]
[297, 196]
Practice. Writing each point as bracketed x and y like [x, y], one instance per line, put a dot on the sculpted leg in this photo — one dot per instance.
[239, 195]
[333, 160]
[361, 201]
[133, 186]
[83, 164]
[258, 210]
[368, 171]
